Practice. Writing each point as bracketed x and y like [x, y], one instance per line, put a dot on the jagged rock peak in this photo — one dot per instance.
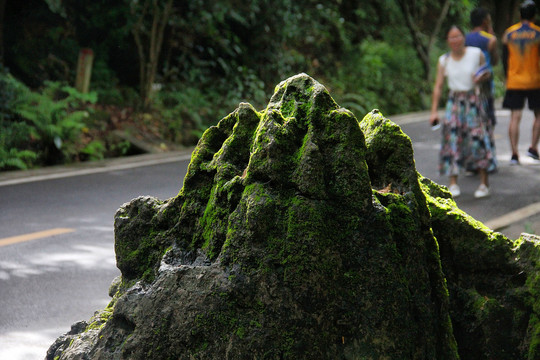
[299, 233]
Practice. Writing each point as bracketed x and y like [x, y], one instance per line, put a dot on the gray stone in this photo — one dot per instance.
[303, 233]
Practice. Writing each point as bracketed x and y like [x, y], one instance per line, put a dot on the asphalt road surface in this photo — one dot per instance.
[56, 250]
[514, 204]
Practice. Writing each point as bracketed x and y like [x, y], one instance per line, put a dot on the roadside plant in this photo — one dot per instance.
[41, 128]
[57, 118]
[187, 112]
[12, 132]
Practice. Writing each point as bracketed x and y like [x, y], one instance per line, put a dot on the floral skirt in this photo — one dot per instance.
[467, 135]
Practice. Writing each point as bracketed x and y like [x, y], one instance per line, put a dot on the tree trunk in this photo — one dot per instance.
[422, 47]
[149, 44]
[504, 14]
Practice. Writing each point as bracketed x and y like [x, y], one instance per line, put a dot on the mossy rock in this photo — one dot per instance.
[492, 282]
[301, 232]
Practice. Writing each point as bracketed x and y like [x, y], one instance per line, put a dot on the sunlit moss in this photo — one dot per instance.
[318, 239]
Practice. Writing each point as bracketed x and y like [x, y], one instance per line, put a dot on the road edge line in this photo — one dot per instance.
[513, 217]
[93, 170]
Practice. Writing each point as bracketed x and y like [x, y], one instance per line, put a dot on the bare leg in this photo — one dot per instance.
[513, 130]
[453, 187]
[483, 177]
[536, 130]
[482, 192]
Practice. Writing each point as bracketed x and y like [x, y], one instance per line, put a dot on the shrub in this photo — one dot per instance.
[187, 112]
[376, 74]
[40, 128]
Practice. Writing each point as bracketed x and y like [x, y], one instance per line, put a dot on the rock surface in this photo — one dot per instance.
[302, 233]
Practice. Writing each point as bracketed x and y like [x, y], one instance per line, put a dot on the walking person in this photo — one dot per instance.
[465, 142]
[521, 62]
[482, 36]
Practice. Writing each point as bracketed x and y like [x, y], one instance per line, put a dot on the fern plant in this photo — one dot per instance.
[54, 121]
[15, 159]
[49, 124]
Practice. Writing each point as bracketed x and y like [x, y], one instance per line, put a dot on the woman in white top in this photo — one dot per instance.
[466, 141]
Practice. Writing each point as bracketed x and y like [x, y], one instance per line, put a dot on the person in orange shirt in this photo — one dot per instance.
[521, 62]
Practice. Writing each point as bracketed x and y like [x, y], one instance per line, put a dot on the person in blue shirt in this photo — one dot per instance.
[482, 36]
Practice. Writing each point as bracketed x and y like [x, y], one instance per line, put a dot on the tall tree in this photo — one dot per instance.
[150, 20]
[503, 13]
[424, 27]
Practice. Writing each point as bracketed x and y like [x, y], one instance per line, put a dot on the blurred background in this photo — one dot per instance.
[85, 80]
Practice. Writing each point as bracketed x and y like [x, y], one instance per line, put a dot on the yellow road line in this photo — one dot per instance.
[34, 236]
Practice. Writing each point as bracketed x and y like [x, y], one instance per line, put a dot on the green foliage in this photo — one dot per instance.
[12, 132]
[42, 127]
[38, 46]
[55, 122]
[351, 47]
[14, 158]
[379, 75]
[216, 54]
[106, 85]
[177, 109]
[95, 150]
[187, 112]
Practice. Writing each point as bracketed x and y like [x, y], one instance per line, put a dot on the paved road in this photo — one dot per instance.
[48, 283]
[514, 204]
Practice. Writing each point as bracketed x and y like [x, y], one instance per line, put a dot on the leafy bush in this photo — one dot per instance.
[95, 150]
[12, 132]
[55, 119]
[40, 128]
[14, 158]
[376, 74]
[185, 114]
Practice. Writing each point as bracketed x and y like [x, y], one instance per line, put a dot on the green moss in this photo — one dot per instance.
[534, 346]
[225, 322]
[300, 221]
[141, 238]
[99, 320]
[528, 255]
[330, 242]
[217, 182]
[288, 108]
[302, 241]
[486, 289]
[141, 262]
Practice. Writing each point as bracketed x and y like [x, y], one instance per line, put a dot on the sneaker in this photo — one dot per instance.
[481, 192]
[514, 160]
[455, 190]
[533, 153]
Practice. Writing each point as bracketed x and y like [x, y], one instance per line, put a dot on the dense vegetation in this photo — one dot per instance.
[168, 69]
